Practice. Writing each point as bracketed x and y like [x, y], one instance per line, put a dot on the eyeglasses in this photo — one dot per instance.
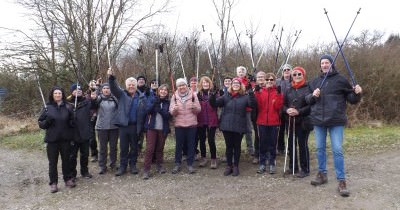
[298, 74]
[235, 83]
[270, 80]
[286, 69]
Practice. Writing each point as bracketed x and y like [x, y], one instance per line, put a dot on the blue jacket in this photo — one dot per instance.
[161, 106]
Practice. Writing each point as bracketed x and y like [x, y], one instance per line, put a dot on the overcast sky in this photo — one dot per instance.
[292, 15]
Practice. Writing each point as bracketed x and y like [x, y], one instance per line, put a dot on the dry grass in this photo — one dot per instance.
[12, 126]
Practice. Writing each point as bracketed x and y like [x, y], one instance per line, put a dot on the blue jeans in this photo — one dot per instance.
[183, 135]
[336, 136]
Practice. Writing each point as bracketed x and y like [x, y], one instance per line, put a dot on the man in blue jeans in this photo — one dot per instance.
[330, 93]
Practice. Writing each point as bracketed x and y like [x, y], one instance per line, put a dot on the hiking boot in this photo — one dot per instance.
[176, 169]
[134, 170]
[235, 171]
[321, 178]
[87, 175]
[103, 170]
[94, 158]
[203, 162]
[70, 183]
[261, 169]
[191, 170]
[213, 164]
[255, 161]
[121, 171]
[302, 174]
[146, 175]
[160, 169]
[53, 188]
[272, 169]
[228, 171]
[342, 189]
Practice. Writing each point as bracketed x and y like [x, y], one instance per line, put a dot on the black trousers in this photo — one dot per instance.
[300, 141]
[53, 150]
[233, 142]
[92, 139]
[83, 149]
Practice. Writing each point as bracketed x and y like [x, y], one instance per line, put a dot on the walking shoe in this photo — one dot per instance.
[213, 164]
[302, 174]
[87, 175]
[255, 161]
[261, 169]
[103, 170]
[160, 169]
[94, 158]
[134, 170]
[176, 169]
[342, 189]
[272, 169]
[321, 178]
[203, 162]
[121, 171]
[70, 183]
[235, 171]
[228, 171]
[191, 170]
[53, 188]
[146, 175]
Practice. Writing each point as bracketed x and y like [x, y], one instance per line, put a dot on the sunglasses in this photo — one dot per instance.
[298, 74]
[286, 69]
[270, 80]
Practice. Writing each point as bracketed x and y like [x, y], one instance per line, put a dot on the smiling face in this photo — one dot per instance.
[227, 82]
[163, 91]
[57, 96]
[286, 74]
[260, 79]
[297, 76]
[182, 88]
[270, 82]
[236, 85]
[241, 72]
[325, 65]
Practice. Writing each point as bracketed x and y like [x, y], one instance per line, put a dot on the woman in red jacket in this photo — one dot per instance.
[269, 102]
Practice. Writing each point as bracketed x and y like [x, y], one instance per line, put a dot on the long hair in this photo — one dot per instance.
[160, 87]
[200, 84]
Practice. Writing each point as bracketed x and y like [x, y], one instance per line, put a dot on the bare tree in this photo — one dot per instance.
[83, 37]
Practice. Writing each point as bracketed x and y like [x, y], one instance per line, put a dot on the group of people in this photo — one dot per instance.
[265, 104]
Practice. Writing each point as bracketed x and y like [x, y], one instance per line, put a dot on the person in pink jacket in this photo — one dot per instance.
[184, 108]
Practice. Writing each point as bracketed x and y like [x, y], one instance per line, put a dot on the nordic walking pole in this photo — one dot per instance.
[156, 51]
[293, 144]
[286, 147]
[39, 86]
[340, 47]
[262, 51]
[183, 69]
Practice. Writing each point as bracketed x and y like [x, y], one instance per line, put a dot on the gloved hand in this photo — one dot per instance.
[147, 93]
[250, 91]
[221, 92]
[257, 87]
[278, 89]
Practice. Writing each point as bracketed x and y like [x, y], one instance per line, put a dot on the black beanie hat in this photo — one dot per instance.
[330, 58]
[142, 77]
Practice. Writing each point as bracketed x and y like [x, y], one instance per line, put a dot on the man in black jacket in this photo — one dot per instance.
[82, 130]
[330, 92]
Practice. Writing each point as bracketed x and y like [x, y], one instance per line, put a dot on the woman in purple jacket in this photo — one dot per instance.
[207, 122]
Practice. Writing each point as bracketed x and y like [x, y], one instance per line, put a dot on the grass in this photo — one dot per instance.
[357, 140]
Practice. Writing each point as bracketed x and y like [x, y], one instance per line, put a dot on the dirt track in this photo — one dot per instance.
[374, 182]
